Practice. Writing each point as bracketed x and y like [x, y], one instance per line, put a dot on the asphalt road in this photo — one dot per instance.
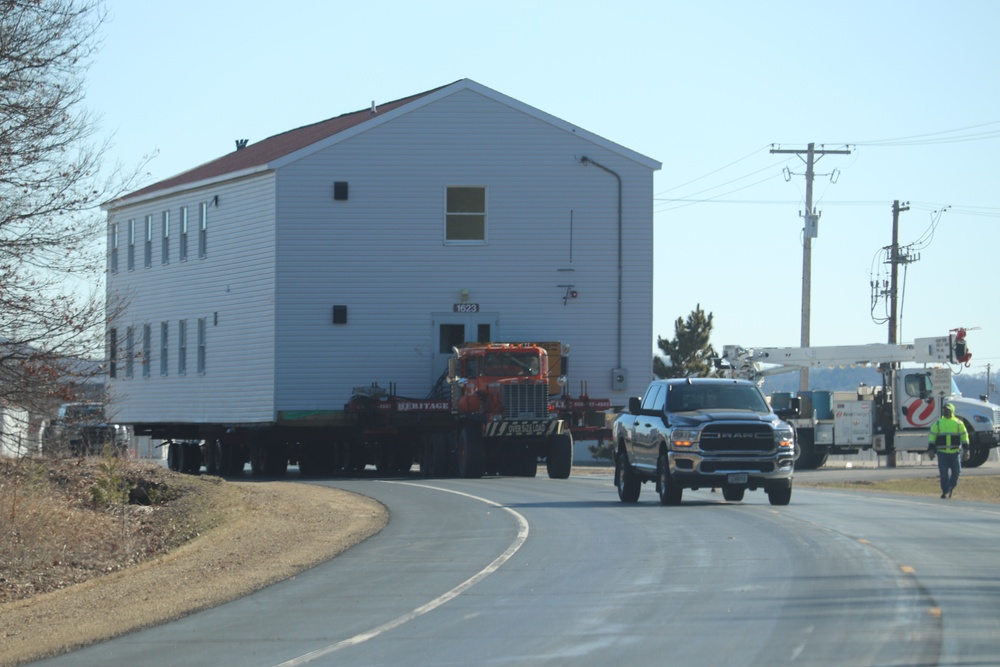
[545, 572]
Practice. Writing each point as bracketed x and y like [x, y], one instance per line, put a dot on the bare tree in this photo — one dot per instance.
[52, 179]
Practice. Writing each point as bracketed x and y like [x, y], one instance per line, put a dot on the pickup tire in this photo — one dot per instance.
[559, 461]
[670, 492]
[779, 496]
[628, 483]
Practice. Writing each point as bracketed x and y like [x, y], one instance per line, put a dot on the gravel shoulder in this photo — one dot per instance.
[270, 532]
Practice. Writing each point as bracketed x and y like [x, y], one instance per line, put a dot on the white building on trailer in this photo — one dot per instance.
[275, 279]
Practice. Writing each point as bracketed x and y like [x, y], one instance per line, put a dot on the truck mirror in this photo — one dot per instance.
[634, 405]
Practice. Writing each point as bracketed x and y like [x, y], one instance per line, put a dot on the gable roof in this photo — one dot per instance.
[282, 148]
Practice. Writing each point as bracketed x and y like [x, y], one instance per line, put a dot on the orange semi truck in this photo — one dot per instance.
[500, 409]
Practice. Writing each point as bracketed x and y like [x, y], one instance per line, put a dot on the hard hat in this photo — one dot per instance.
[950, 407]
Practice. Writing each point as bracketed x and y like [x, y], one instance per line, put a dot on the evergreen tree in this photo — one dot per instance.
[689, 353]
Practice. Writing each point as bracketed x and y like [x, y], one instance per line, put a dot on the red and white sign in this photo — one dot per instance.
[919, 413]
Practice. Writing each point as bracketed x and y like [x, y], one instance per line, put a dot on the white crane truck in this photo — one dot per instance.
[895, 416]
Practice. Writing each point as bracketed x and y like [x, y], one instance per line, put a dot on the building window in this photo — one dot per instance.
[131, 245]
[165, 250]
[147, 348]
[129, 351]
[465, 218]
[202, 333]
[114, 248]
[164, 348]
[149, 241]
[113, 353]
[183, 249]
[203, 229]
[182, 347]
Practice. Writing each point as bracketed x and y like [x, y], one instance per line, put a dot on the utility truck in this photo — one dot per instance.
[894, 416]
[497, 410]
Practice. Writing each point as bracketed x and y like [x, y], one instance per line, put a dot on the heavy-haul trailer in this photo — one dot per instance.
[500, 411]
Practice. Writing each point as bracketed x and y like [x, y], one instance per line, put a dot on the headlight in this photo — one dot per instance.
[785, 437]
[683, 438]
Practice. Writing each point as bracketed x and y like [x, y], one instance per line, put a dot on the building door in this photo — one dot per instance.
[449, 330]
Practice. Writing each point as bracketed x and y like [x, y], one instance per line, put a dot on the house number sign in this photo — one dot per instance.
[465, 307]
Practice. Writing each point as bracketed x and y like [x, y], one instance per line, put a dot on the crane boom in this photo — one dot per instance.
[761, 361]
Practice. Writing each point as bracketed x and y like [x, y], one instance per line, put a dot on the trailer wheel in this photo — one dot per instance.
[529, 463]
[174, 456]
[559, 460]
[628, 483]
[440, 456]
[213, 457]
[471, 453]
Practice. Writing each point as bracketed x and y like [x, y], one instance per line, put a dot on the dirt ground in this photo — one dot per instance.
[261, 533]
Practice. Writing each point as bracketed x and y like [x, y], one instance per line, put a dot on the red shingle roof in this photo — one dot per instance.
[267, 150]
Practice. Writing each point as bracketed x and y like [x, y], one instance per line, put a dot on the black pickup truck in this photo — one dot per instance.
[697, 433]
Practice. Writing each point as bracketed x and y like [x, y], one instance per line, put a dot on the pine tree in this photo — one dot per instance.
[689, 353]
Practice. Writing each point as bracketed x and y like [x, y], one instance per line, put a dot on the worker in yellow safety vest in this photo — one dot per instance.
[948, 438]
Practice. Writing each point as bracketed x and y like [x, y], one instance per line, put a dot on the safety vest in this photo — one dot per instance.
[949, 434]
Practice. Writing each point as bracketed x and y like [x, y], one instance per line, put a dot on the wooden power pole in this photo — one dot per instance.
[811, 231]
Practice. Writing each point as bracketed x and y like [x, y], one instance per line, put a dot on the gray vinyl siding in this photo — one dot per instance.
[232, 288]
[382, 252]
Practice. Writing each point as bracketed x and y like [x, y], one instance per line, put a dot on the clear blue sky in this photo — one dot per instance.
[705, 88]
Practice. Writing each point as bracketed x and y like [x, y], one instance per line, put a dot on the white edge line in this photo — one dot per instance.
[522, 536]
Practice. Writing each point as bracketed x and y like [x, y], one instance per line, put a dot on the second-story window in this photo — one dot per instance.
[165, 239]
[203, 229]
[114, 248]
[182, 251]
[465, 218]
[131, 245]
[149, 242]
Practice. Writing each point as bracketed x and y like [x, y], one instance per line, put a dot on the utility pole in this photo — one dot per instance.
[895, 259]
[811, 231]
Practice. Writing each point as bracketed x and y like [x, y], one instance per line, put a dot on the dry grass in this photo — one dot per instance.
[65, 521]
[980, 488]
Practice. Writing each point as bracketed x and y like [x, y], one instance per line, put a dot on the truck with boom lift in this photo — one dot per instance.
[893, 416]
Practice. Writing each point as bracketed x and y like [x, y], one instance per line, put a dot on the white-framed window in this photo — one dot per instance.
[147, 348]
[182, 251]
[129, 351]
[165, 238]
[149, 242]
[465, 214]
[202, 334]
[114, 248]
[203, 229]
[182, 347]
[113, 353]
[131, 245]
[164, 348]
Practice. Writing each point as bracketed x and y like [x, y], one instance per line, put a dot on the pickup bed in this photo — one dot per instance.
[697, 433]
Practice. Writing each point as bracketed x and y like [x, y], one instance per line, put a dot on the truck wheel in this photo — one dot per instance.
[733, 494]
[559, 460]
[529, 463]
[779, 496]
[811, 455]
[670, 492]
[174, 456]
[977, 457]
[471, 453]
[629, 484]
